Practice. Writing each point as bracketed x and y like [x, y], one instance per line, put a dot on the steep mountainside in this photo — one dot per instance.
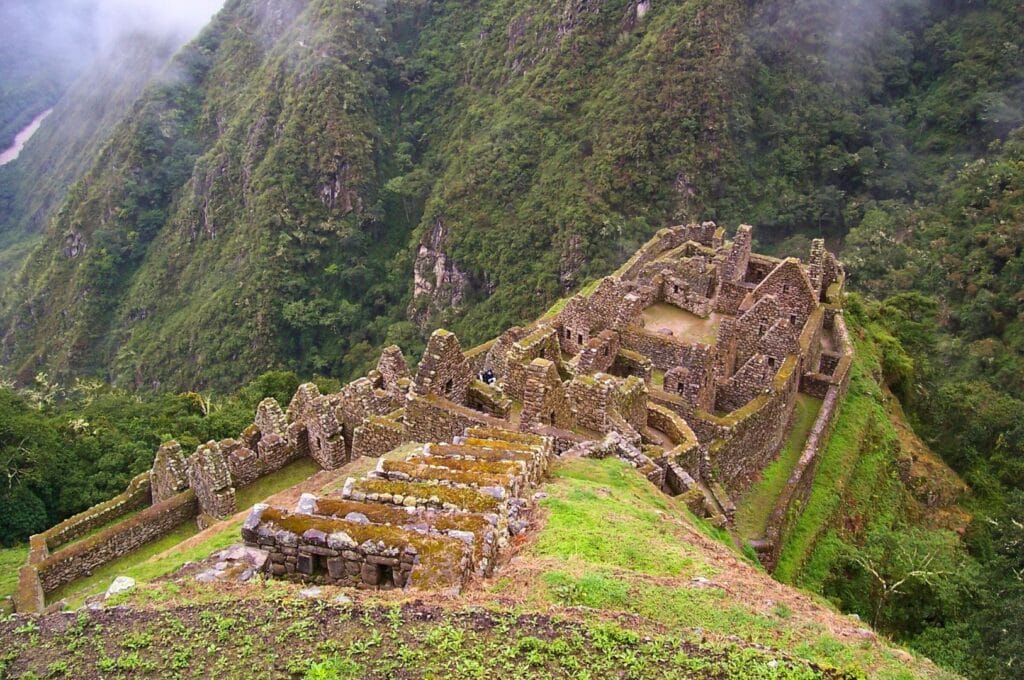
[34, 186]
[318, 173]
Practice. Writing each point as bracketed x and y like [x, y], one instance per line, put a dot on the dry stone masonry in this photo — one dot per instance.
[685, 363]
[429, 520]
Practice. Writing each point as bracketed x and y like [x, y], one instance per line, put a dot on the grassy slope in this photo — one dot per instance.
[10, 560]
[753, 511]
[619, 580]
[858, 484]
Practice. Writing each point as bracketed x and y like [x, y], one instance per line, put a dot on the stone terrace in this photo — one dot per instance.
[429, 521]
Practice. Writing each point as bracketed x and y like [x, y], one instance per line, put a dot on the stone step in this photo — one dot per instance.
[415, 471]
[481, 432]
[535, 461]
[342, 552]
[488, 501]
[469, 527]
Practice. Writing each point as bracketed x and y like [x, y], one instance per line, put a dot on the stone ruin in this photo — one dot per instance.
[685, 363]
[430, 520]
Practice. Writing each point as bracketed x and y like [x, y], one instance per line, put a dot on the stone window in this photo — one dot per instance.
[579, 338]
[762, 329]
[771, 362]
[675, 288]
[448, 386]
[568, 334]
[785, 288]
[552, 417]
[606, 350]
[792, 319]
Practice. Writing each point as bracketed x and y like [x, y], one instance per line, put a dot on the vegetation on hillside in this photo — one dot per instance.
[882, 536]
[62, 451]
[579, 601]
[263, 208]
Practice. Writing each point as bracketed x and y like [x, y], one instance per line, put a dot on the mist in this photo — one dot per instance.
[72, 33]
[180, 19]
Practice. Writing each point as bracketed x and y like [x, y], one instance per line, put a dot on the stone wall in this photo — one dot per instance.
[752, 379]
[792, 290]
[316, 428]
[169, 474]
[545, 400]
[488, 399]
[664, 351]
[340, 552]
[542, 343]
[433, 419]
[377, 435]
[797, 491]
[81, 558]
[444, 371]
[135, 496]
[755, 433]
[210, 477]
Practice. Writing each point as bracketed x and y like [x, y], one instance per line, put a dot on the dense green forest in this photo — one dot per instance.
[269, 206]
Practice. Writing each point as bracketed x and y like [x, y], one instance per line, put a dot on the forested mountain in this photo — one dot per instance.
[311, 179]
[315, 174]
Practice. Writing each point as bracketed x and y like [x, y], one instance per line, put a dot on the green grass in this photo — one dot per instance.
[612, 542]
[753, 511]
[605, 514]
[294, 638]
[287, 477]
[11, 560]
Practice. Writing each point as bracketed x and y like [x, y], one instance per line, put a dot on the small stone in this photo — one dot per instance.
[312, 593]
[370, 574]
[306, 504]
[539, 496]
[208, 576]
[121, 584]
[342, 600]
[357, 518]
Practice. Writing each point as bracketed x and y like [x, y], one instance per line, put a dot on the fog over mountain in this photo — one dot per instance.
[48, 44]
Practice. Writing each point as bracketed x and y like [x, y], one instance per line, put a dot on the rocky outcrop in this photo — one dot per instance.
[438, 283]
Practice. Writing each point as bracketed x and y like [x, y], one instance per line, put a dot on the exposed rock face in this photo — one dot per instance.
[336, 192]
[437, 282]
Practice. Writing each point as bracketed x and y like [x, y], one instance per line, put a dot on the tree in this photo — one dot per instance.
[913, 567]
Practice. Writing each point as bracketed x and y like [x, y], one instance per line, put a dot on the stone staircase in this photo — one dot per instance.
[432, 520]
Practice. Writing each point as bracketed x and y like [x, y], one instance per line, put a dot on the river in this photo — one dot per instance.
[22, 138]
